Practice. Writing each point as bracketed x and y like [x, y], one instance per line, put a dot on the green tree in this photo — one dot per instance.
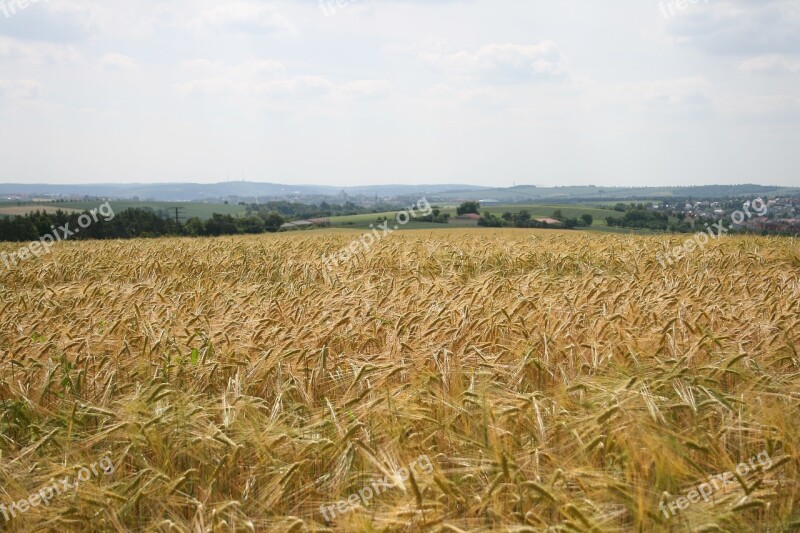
[587, 219]
[252, 225]
[272, 221]
[469, 207]
[221, 225]
[490, 221]
[522, 219]
[194, 227]
[571, 223]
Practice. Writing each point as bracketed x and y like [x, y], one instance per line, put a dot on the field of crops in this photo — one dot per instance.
[551, 379]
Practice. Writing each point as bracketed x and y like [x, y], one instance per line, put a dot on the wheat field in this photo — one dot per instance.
[557, 381]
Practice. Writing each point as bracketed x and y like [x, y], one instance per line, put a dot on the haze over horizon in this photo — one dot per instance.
[404, 92]
[454, 184]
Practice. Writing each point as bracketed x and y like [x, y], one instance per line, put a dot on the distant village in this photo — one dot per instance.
[783, 213]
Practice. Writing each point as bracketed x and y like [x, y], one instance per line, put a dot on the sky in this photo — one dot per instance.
[364, 92]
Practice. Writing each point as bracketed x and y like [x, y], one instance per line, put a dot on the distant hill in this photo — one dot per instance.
[528, 193]
[177, 192]
[187, 192]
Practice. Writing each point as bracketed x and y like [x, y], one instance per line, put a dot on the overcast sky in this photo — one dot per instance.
[494, 92]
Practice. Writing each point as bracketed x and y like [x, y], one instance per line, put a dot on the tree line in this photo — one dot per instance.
[638, 216]
[522, 219]
[135, 223]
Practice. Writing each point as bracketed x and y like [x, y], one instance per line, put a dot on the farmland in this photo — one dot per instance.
[200, 210]
[599, 215]
[204, 211]
[13, 209]
[551, 378]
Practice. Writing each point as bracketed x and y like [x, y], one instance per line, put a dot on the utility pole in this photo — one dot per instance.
[177, 214]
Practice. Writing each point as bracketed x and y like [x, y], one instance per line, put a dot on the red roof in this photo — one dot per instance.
[469, 216]
[548, 221]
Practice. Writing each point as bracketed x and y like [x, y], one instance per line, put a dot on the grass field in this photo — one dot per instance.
[560, 380]
[536, 211]
[12, 210]
[569, 211]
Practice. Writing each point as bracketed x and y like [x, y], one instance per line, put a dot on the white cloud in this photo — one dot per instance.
[250, 78]
[367, 88]
[262, 77]
[211, 86]
[38, 53]
[250, 68]
[297, 86]
[771, 64]
[739, 27]
[765, 109]
[687, 96]
[502, 63]
[112, 61]
[20, 89]
[248, 17]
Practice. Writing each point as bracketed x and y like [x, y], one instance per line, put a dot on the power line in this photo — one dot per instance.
[178, 216]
